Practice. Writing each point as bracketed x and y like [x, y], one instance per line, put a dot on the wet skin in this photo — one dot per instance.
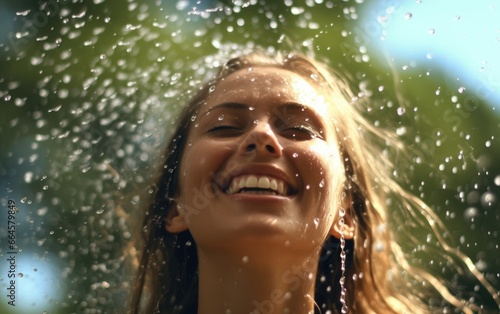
[274, 125]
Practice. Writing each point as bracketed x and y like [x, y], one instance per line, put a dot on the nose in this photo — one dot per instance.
[261, 140]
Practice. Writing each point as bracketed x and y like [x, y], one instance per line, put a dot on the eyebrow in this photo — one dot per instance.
[305, 110]
[234, 105]
[287, 105]
[226, 105]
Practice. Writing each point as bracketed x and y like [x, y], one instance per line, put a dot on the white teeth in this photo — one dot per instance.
[273, 185]
[263, 182]
[251, 182]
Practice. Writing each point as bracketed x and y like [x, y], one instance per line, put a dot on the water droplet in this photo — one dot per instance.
[295, 155]
[379, 246]
[470, 213]
[297, 10]
[488, 199]
[461, 89]
[193, 117]
[220, 118]
[245, 259]
[28, 176]
[408, 16]
[316, 222]
[400, 111]
[432, 31]
[23, 13]
[308, 187]
[497, 180]
[251, 108]
[481, 266]
[211, 89]
[322, 183]
[429, 238]
[20, 275]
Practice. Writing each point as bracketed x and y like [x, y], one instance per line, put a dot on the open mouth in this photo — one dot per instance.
[257, 184]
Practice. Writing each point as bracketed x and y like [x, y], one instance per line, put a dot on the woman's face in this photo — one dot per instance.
[261, 164]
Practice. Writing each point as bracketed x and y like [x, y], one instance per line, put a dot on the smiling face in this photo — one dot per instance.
[261, 164]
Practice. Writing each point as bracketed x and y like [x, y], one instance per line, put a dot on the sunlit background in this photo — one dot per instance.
[89, 90]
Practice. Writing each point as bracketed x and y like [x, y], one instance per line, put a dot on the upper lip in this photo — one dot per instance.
[259, 170]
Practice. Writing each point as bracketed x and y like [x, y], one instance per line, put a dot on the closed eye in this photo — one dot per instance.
[225, 131]
[301, 133]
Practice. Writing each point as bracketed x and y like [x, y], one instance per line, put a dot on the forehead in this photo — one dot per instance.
[267, 85]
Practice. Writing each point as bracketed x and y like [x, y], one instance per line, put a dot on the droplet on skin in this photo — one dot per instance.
[316, 222]
[245, 259]
[287, 296]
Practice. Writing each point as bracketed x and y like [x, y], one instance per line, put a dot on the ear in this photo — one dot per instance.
[347, 229]
[175, 221]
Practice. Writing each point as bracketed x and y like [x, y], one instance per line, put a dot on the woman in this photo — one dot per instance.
[272, 201]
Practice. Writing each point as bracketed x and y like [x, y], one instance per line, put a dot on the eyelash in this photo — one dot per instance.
[300, 128]
[221, 128]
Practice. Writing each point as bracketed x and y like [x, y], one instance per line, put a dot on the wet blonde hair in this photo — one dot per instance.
[379, 278]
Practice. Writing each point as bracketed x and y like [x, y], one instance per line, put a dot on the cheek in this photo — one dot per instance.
[202, 163]
[324, 164]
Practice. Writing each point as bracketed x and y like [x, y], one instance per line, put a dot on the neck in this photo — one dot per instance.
[258, 283]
